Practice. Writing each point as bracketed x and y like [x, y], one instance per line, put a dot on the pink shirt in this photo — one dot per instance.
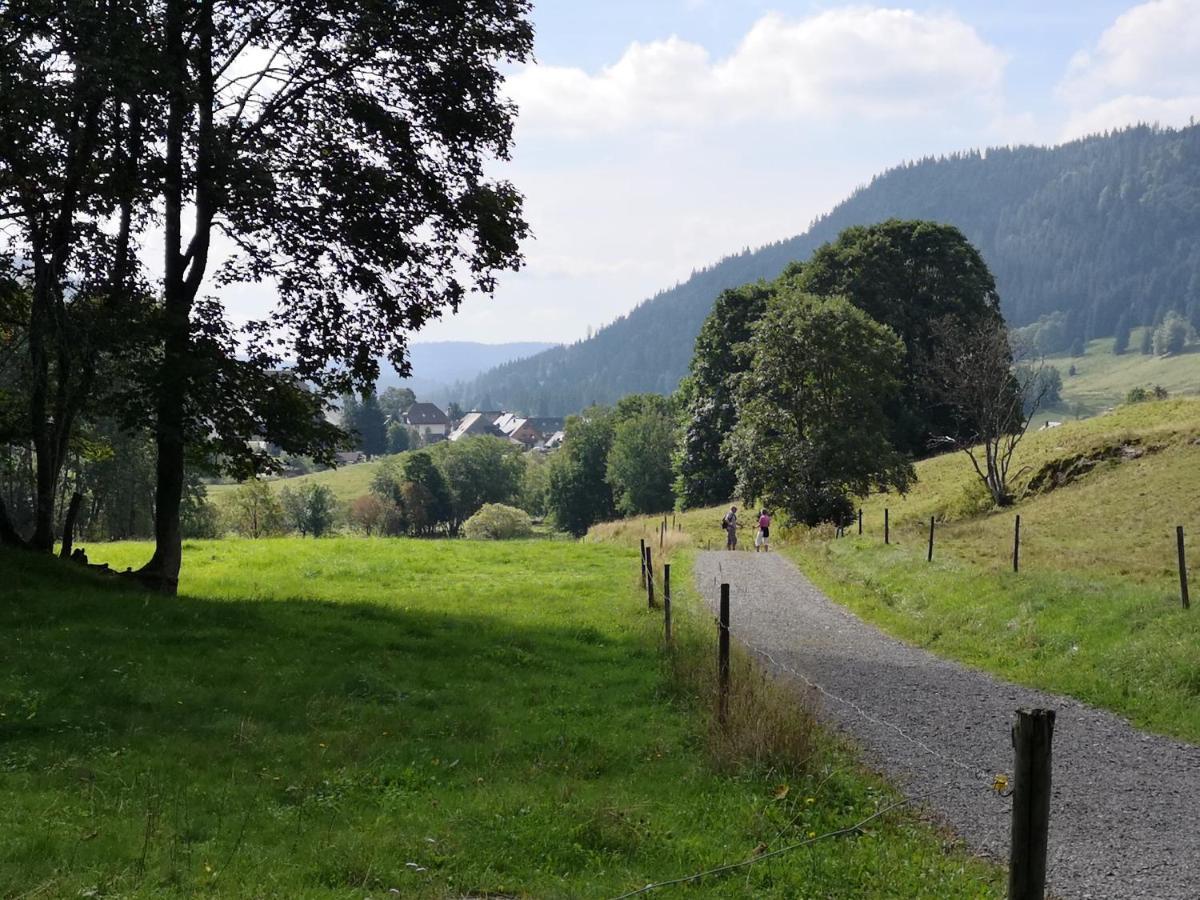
[764, 521]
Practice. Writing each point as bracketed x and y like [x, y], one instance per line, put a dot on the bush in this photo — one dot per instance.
[253, 511]
[497, 522]
[367, 514]
[1141, 394]
[310, 509]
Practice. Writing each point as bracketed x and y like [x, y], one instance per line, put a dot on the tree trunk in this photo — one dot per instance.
[183, 275]
[8, 534]
[69, 525]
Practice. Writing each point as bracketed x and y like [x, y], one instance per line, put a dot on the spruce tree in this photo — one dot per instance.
[1121, 338]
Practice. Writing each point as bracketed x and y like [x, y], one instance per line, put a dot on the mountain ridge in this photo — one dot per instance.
[1091, 229]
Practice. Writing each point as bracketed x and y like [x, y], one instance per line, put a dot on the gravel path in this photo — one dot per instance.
[1123, 819]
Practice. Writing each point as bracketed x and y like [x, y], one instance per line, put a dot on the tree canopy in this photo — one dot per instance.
[813, 425]
[343, 151]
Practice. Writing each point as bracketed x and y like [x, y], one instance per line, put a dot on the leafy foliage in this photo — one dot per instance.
[309, 509]
[1173, 335]
[707, 395]
[907, 276]
[579, 494]
[478, 471]
[497, 522]
[254, 511]
[639, 466]
[813, 424]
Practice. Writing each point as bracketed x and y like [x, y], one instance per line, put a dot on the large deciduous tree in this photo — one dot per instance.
[578, 494]
[341, 148]
[639, 459]
[813, 427]
[908, 275]
[705, 477]
[338, 152]
[71, 189]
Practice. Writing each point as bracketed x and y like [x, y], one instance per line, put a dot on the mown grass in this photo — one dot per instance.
[353, 717]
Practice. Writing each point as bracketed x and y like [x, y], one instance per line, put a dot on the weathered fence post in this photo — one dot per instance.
[667, 602]
[723, 658]
[1032, 735]
[649, 579]
[929, 557]
[887, 535]
[1183, 581]
[860, 521]
[1017, 546]
[662, 533]
[643, 551]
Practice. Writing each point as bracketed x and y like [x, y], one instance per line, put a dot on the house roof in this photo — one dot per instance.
[426, 414]
[476, 422]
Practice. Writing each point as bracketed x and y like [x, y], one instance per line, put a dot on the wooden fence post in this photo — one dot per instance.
[860, 521]
[887, 535]
[929, 557]
[1032, 735]
[643, 552]
[1183, 581]
[649, 579]
[1017, 545]
[667, 602]
[723, 658]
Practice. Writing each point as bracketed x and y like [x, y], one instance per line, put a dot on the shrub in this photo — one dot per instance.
[253, 511]
[497, 522]
[310, 509]
[367, 514]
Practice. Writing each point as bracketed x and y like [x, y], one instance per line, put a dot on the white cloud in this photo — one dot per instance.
[864, 62]
[1143, 68]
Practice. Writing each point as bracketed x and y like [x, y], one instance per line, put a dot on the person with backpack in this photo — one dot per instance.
[763, 538]
[730, 524]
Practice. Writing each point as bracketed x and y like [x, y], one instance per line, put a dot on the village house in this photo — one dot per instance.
[529, 432]
[429, 421]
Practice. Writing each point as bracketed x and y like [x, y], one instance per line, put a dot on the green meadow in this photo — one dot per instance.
[371, 718]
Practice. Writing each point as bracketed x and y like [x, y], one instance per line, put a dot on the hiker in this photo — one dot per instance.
[730, 524]
[763, 538]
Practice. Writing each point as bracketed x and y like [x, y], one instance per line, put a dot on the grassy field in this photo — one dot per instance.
[1095, 610]
[368, 718]
[347, 483]
[1102, 380]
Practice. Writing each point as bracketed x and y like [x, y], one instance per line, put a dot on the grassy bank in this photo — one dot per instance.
[351, 717]
[1095, 611]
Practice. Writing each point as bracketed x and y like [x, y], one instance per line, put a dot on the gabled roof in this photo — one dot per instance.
[476, 422]
[426, 414]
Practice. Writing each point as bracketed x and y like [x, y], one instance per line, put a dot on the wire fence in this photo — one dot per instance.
[973, 775]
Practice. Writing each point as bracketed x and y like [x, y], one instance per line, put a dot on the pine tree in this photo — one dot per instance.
[1121, 339]
[1147, 341]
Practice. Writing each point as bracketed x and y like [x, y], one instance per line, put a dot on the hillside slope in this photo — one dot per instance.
[1093, 229]
[1095, 610]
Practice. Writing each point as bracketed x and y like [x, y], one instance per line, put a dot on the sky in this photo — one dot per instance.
[657, 136]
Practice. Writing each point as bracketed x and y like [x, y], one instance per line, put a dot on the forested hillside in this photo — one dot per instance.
[1094, 230]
